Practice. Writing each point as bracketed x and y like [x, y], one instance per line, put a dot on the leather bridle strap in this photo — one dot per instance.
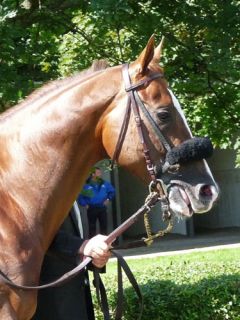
[123, 266]
[143, 82]
[167, 145]
[122, 134]
[134, 102]
[149, 203]
[101, 294]
[131, 100]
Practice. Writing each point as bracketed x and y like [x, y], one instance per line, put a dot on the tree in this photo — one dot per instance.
[42, 40]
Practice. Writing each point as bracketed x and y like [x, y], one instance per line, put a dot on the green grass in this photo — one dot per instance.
[215, 256]
[191, 286]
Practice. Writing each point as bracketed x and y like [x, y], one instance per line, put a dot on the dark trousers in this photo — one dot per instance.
[97, 214]
[71, 301]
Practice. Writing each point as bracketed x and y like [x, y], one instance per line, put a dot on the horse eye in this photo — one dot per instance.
[164, 116]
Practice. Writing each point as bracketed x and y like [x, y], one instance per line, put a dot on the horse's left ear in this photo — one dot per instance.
[145, 57]
[158, 51]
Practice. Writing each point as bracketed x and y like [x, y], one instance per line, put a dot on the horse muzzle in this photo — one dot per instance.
[188, 197]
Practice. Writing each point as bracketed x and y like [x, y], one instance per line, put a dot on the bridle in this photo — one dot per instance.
[202, 148]
[193, 149]
[135, 103]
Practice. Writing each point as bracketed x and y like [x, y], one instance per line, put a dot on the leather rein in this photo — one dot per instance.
[157, 190]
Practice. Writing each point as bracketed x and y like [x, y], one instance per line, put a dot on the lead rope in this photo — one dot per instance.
[122, 265]
[160, 233]
[102, 295]
[165, 213]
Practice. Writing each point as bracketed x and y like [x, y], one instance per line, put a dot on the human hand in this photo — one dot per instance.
[106, 202]
[96, 248]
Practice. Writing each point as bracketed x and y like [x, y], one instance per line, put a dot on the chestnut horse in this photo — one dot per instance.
[50, 141]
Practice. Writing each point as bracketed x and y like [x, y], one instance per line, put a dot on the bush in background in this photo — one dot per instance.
[190, 287]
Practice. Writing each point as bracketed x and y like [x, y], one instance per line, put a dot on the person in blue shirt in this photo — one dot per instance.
[95, 196]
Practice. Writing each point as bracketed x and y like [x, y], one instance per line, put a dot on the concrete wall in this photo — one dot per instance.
[131, 193]
[226, 213]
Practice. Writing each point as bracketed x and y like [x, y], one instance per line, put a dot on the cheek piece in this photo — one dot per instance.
[194, 149]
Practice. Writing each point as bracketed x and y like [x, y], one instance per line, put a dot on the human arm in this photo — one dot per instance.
[84, 198]
[110, 191]
[70, 245]
[66, 244]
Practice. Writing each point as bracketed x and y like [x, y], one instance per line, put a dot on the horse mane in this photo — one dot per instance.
[97, 65]
[51, 86]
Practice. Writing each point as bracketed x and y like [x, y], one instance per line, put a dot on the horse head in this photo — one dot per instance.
[166, 148]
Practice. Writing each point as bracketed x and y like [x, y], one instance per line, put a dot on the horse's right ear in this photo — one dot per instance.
[158, 51]
[145, 57]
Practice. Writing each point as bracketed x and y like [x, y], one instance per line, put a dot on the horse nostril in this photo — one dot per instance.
[206, 191]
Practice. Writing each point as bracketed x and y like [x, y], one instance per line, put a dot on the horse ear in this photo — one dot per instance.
[158, 51]
[146, 56]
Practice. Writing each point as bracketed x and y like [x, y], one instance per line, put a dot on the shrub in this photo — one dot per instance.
[178, 288]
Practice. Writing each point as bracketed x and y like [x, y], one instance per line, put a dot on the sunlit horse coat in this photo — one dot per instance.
[45, 160]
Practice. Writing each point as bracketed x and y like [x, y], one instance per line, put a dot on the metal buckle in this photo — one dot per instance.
[153, 186]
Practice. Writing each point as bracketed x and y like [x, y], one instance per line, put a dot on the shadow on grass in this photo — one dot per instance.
[215, 298]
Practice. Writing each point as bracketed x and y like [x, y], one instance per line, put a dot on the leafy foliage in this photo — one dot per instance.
[43, 40]
[187, 287]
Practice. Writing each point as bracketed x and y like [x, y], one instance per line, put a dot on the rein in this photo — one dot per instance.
[157, 190]
[150, 202]
[191, 150]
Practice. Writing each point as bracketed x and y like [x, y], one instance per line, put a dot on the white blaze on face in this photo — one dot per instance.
[179, 109]
[209, 171]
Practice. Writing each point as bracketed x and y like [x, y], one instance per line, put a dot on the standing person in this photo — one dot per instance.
[73, 299]
[95, 196]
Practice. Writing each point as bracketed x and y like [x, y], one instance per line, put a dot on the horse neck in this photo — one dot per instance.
[60, 142]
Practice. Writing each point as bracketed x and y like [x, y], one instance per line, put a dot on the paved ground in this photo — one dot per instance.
[175, 244]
